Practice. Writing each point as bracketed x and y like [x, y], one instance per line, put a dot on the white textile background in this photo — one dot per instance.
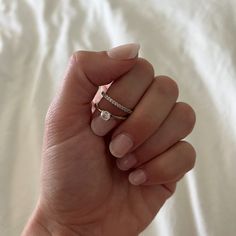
[191, 41]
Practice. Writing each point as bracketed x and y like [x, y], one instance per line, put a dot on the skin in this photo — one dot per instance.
[83, 192]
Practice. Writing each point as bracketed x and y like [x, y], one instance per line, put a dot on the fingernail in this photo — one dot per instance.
[137, 177]
[120, 145]
[126, 162]
[123, 52]
[101, 127]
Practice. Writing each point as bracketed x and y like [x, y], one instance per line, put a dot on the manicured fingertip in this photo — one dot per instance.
[124, 52]
[101, 127]
[126, 162]
[137, 177]
[120, 145]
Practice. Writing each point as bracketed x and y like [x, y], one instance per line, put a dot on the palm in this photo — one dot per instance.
[88, 186]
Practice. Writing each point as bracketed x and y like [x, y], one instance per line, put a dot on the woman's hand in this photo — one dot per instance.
[111, 177]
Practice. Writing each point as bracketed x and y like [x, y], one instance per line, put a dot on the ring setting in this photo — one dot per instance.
[106, 115]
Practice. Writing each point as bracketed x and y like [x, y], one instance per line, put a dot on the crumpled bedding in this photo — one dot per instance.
[191, 41]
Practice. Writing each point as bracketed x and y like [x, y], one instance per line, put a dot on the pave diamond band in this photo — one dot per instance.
[106, 115]
[115, 103]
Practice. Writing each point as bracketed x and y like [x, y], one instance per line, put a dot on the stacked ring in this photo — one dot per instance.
[106, 115]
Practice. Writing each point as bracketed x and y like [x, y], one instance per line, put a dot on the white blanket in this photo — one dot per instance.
[191, 41]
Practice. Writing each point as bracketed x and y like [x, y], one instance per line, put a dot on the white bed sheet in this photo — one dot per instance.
[191, 41]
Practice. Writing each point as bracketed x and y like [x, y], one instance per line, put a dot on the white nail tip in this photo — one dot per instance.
[126, 51]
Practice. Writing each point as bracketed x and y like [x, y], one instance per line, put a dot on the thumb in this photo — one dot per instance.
[85, 73]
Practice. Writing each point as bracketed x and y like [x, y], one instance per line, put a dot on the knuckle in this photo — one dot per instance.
[167, 86]
[47, 118]
[166, 172]
[188, 151]
[145, 66]
[186, 115]
[50, 115]
[78, 58]
[169, 173]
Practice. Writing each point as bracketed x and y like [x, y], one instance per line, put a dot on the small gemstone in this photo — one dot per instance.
[105, 115]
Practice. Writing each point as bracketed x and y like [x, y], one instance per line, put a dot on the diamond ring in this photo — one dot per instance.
[106, 115]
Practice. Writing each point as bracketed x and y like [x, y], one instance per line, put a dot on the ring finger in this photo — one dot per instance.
[127, 90]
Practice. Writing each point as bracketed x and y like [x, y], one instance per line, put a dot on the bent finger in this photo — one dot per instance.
[168, 167]
[177, 126]
[127, 90]
[146, 118]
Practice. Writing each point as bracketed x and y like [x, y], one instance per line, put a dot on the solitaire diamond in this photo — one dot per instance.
[105, 115]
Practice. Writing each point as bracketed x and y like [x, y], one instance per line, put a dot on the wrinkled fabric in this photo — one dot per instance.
[191, 41]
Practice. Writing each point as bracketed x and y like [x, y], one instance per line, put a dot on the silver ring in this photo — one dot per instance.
[106, 115]
[115, 103]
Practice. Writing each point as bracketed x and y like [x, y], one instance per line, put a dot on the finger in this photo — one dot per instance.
[177, 126]
[85, 73]
[127, 91]
[146, 118]
[168, 167]
[171, 187]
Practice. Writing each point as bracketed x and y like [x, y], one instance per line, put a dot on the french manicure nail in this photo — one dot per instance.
[120, 145]
[123, 52]
[101, 127]
[126, 162]
[137, 177]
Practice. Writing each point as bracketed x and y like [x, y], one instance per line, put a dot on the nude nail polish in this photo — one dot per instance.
[126, 162]
[137, 177]
[124, 52]
[120, 145]
[101, 127]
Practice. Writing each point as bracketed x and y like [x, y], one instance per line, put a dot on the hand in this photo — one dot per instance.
[87, 189]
